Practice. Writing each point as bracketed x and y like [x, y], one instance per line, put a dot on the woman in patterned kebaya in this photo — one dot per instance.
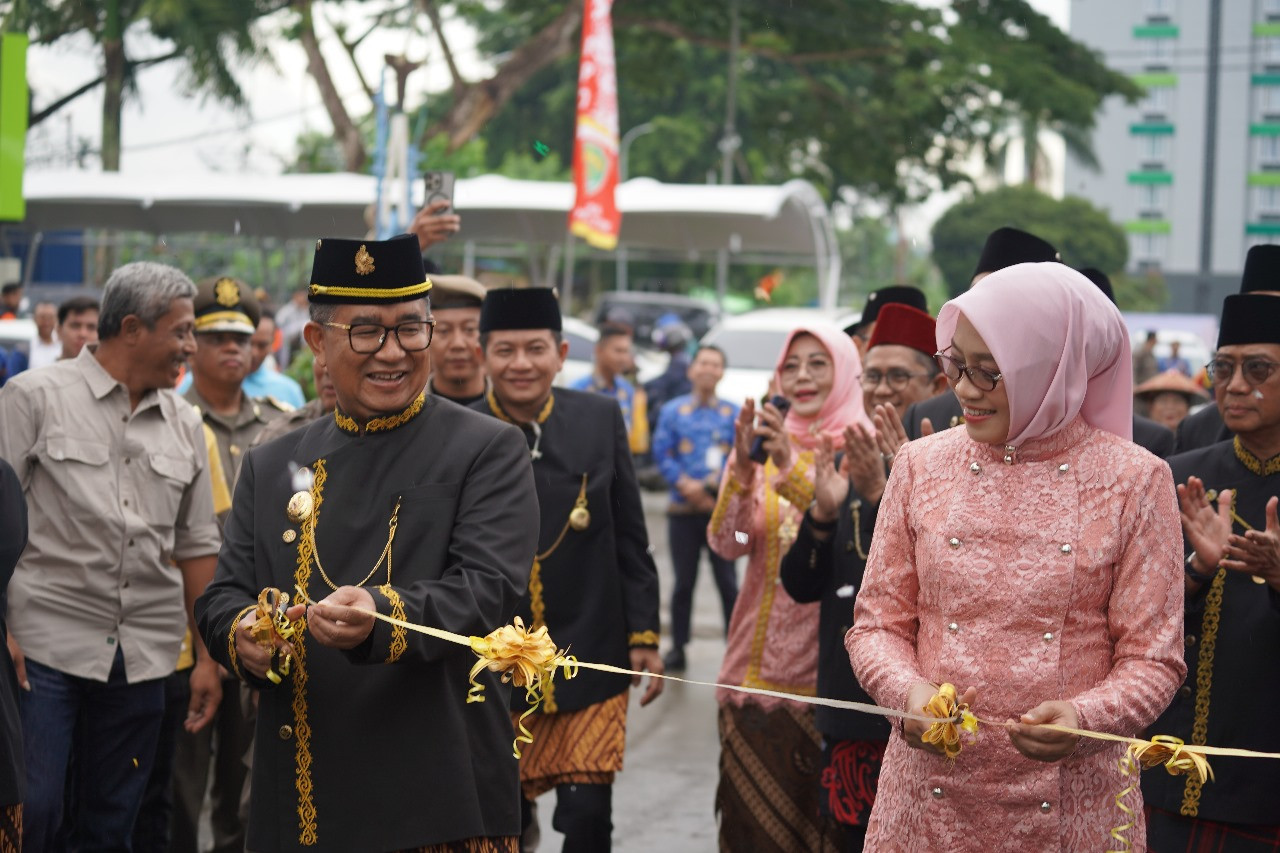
[771, 754]
[1032, 559]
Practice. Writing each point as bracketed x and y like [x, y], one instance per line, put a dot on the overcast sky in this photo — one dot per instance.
[166, 131]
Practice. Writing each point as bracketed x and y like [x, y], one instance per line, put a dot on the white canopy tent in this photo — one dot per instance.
[790, 222]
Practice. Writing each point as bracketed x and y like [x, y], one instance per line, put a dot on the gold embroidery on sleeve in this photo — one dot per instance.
[643, 638]
[399, 638]
[307, 828]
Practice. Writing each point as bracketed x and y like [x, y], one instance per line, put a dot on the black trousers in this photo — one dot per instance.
[687, 535]
[584, 814]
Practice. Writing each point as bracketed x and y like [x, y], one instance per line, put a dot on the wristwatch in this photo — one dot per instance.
[1193, 574]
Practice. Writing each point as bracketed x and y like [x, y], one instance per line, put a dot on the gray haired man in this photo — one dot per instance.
[113, 466]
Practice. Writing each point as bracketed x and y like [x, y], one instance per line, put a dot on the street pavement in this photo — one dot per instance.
[664, 798]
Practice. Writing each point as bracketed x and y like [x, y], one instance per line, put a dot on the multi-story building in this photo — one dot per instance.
[1193, 169]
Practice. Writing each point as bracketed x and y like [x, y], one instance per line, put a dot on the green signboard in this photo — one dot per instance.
[13, 125]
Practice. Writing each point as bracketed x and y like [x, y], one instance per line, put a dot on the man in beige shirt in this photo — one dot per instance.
[113, 466]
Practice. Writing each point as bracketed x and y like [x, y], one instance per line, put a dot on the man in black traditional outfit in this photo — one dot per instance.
[594, 584]
[1261, 276]
[400, 503]
[1227, 493]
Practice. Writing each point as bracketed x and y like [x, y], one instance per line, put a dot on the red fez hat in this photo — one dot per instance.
[905, 326]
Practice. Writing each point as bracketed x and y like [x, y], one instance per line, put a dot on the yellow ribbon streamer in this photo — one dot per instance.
[1127, 768]
[529, 659]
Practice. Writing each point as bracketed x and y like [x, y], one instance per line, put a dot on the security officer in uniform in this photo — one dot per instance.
[594, 584]
[401, 503]
[227, 314]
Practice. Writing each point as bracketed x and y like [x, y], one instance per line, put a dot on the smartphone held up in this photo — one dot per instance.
[758, 454]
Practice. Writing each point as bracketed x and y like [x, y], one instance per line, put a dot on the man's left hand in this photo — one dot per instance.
[1257, 552]
[340, 621]
[206, 694]
[1043, 744]
[647, 660]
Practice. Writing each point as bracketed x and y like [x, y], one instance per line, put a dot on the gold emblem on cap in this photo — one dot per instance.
[227, 292]
[364, 261]
[300, 507]
[288, 536]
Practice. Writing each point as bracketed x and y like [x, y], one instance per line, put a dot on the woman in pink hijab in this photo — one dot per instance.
[771, 754]
[1031, 559]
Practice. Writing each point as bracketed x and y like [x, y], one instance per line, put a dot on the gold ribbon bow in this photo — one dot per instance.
[273, 628]
[525, 658]
[1174, 755]
[954, 716]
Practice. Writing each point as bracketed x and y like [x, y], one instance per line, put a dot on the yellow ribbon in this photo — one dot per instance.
[273, 628]
[524, 658]
[954, 716]
[1127, 768]
[529, 659]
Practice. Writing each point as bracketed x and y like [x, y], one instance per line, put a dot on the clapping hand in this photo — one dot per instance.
[830, 485]
[1257, 552]
[864, 462]
[1208, 530]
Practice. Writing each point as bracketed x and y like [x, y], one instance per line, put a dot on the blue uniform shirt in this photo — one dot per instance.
[693, 440]
[622, 391]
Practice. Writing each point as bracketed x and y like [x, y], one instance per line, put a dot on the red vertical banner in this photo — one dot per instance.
[595, 217]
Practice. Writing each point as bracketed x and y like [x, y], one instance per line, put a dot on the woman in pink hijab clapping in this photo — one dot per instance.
[771, 755]
[1031, 559]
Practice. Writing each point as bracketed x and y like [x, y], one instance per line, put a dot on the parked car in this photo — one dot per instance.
[19, 331]
[752, 342]
[646, 307]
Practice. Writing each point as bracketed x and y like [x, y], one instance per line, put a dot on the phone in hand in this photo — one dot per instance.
[758, 454]
[439, 188]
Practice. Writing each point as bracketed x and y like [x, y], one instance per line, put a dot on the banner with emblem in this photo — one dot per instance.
[595, 216]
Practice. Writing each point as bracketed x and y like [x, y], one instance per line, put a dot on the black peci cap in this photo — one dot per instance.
[520, 308]
[1261, 269]
[897, 294]
[1249, 318]
[1101, 279]
[1008, 246]
[368, 272]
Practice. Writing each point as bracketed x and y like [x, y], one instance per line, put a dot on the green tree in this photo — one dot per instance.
[885, 97]
[1083, 234]
[207, 35]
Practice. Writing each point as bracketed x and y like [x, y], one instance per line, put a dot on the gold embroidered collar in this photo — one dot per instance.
[496, 408]
[346, 423]
[1253, 463]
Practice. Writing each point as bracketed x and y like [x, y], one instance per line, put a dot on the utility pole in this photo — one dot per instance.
[1204, 286]
[730, 141]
